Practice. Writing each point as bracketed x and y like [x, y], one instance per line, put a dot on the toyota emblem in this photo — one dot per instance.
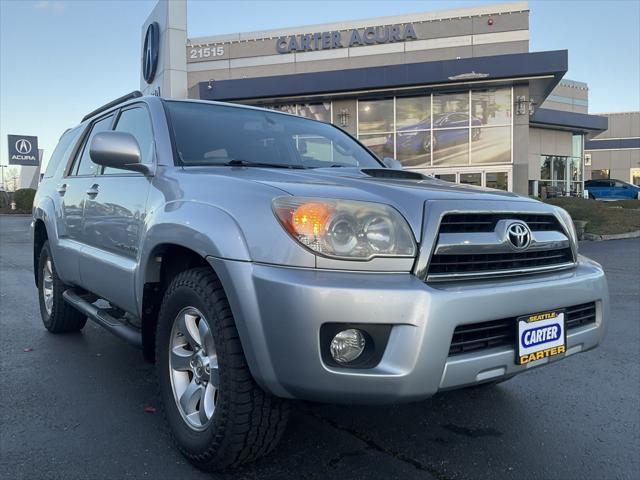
[519, 235]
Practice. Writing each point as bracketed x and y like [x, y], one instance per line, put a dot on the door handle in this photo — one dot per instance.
[61, 189]
[93, 191]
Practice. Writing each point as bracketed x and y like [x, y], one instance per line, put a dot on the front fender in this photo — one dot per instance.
[204, 228]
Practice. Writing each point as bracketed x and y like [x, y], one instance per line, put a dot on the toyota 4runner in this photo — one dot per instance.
[258, 257]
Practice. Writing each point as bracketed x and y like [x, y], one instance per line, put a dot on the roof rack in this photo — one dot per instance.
[117, 101]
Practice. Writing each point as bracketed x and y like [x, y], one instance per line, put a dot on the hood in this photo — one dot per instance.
[404, 190]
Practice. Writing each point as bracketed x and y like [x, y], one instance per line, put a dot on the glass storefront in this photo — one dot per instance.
[316, 111]
[635, 176]
[563, 175]
[489, 178]
[443, 129]
[458, 136]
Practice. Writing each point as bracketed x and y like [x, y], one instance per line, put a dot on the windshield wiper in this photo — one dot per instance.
[244, 163]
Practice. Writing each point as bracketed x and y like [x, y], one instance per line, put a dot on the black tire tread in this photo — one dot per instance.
[64, 318]
[251, 424]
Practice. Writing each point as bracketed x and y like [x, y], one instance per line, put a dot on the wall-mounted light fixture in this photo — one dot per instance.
[524, 106]
[343, 117]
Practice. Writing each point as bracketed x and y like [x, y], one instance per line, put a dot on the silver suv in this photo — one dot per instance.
[258, 257]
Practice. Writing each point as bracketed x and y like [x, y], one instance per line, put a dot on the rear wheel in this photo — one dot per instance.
[218, 416]
[57, 315]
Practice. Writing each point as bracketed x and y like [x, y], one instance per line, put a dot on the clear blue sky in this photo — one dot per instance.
[60, 59]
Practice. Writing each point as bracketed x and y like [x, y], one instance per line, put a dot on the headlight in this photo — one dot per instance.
[568, 222]
[346, 229]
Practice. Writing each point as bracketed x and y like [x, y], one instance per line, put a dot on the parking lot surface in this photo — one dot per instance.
[74, 406]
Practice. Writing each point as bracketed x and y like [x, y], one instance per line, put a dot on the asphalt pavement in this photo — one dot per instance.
[77, 406]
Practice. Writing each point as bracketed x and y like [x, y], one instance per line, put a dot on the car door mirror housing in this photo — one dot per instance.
[392, 163]
[117, 150]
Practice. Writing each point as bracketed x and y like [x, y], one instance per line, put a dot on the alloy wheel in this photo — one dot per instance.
[47, 286]
[193, 368]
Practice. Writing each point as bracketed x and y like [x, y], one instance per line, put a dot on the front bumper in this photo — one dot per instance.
[279, 312]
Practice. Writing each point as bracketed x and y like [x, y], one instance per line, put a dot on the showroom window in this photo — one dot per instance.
[490, 177]
[600, 174]
[315, 111]
[560, 176]
[635, 176]
[376, 126]
[457, 129]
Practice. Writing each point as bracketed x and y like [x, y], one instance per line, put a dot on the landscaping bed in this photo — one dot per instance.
[604, 218]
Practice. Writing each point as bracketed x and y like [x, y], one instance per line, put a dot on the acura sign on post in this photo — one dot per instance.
[23, 150]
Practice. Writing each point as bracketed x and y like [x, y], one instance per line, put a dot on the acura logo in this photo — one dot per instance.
[150, 52]
[519, 235]
[23, 146]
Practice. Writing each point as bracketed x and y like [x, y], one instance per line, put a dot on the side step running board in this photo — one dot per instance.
[120, 329]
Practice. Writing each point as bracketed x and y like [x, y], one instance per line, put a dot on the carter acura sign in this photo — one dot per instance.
[23, 150]
[354, 38]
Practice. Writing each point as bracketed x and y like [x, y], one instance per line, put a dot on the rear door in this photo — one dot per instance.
[113, 219]
[72, 191]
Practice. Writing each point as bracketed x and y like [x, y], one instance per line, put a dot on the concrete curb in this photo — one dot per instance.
[617, 236]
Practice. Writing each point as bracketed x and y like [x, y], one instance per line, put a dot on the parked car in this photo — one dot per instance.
[258, 257]
[608, 189]
[416, 138]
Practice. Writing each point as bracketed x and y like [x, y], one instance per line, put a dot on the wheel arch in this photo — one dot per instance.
[40, 236]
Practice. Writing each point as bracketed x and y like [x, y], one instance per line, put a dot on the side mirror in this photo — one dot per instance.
[117, 150]
[392, 163]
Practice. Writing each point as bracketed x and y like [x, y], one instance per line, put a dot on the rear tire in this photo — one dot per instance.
[57, 315]
[218, 416]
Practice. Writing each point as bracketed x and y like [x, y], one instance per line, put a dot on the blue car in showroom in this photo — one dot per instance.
[420, 142]
[609, 189]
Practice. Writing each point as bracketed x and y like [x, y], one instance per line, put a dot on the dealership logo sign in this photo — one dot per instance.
[23, 150]
[357, 37]
[23, 146]
[150, 52]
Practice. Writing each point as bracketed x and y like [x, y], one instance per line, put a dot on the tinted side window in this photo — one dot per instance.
[62, 151]
[135, 121]
[85, 166]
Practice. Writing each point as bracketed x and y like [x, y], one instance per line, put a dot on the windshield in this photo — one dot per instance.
[210, 134]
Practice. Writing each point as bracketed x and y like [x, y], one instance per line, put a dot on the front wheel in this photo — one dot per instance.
[218, 416]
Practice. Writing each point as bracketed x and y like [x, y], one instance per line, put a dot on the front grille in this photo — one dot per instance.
[498, 333]
[486, 222]
[473, 245]
[492, 262]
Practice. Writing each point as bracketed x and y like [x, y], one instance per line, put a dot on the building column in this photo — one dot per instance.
[520, 143]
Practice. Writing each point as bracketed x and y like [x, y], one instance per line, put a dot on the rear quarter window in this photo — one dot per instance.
[63, 150]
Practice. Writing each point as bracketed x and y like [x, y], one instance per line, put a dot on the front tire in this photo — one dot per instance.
[57, 315]
[218, 416]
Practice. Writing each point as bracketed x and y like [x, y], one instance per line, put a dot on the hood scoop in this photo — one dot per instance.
[395, 174]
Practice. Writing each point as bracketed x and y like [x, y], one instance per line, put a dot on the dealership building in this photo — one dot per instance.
[456, 94]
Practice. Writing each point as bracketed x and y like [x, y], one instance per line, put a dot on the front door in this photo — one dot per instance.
[114, 213]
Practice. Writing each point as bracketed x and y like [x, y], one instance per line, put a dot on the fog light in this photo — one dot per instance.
[347, 345]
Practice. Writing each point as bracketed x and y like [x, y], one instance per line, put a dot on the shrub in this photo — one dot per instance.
[24, 198]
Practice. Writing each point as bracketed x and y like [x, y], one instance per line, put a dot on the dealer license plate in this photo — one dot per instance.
[540, 335]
